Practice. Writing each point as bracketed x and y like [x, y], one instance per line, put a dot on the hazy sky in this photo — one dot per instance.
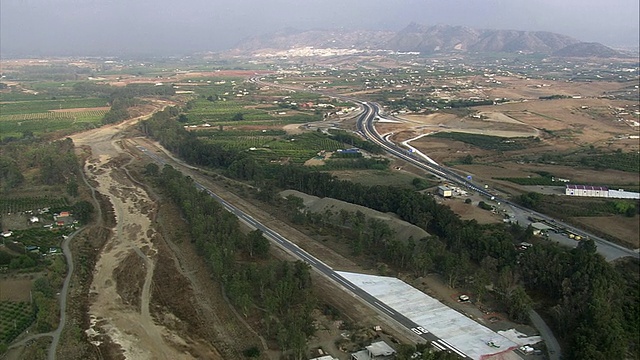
[90, 27]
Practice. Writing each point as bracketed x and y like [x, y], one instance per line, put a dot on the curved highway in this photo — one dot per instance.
[365, 126]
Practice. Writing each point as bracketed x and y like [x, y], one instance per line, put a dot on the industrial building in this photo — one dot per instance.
[599, 191]
[586, 190]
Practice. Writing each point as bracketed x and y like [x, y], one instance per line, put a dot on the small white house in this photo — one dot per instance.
[445, 191]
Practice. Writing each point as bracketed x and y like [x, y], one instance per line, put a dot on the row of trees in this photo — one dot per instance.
[278, 291]
[581, 279]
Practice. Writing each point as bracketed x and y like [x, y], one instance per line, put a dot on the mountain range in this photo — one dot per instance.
[431, 40]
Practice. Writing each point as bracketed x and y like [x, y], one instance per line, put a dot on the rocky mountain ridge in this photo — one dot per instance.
[430, 40]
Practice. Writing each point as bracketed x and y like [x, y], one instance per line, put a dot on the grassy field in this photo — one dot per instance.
[486, 142]
[42, 106]
[297, 148]
[379, 177]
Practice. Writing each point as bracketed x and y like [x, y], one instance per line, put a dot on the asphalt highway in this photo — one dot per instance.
[365, 126]
[319, 266]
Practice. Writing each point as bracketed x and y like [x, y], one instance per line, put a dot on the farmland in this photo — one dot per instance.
[485, 141]
[14, 205]
[36, 117]
[15, 317]
[17, 125]
[296, 149]
[42, 106]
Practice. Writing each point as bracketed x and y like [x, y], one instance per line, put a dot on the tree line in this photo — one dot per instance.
[278, 291]
[591, 303]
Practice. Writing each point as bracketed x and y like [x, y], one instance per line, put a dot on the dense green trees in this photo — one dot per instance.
[55, 161]
[346, 138]
[10, 175]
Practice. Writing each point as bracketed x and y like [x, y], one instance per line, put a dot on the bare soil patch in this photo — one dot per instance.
[293, 129]
[472, 211]
[15, 288]
[623, 228]
[532, 89]
[129, 277]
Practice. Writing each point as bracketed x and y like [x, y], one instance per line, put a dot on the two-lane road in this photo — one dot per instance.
[319, 266]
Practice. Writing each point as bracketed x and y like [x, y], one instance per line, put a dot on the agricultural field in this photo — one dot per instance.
[25, 118]
[19, 125]
[15, 317]
[379, 177]
[43, 106]
[296, 149]
[15, 205]
[41, 237]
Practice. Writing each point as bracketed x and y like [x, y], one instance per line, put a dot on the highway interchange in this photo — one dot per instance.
[365, 126]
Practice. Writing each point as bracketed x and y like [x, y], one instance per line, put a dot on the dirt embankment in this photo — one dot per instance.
[402, 229]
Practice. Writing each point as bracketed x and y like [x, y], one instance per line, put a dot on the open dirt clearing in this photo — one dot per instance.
[15, 289]
[623, 228]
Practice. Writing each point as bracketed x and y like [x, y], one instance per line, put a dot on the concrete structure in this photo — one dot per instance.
[586, 190]
[539, 228]
[325, 357]
[445, 191]
[376, 351]
[599, 191]
[621, 194]
[458, 332]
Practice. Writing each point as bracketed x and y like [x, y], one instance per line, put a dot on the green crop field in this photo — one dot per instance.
[297, 148]
[15, 317]
[487, 142]
[42, 106]
[38, 123]
[217, 111]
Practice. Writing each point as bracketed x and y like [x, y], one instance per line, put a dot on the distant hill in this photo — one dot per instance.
[430, 40]
[343, 39]
[445, 38]
[587, 49]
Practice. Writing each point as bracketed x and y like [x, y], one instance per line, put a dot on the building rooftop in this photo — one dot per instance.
[587, 187]
[467, 336]
[380, 348]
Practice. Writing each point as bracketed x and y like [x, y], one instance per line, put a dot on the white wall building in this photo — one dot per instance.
[586, 190]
